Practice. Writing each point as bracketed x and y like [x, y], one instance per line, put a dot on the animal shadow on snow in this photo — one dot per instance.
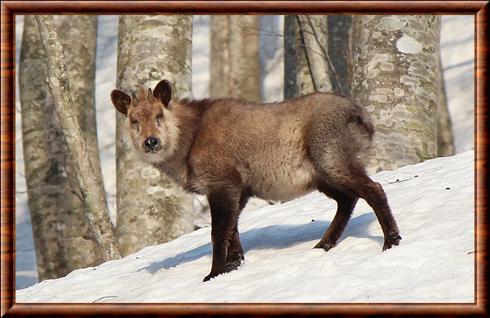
[277, 237]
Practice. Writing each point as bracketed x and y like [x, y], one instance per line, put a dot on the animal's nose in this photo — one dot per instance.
[151, 143]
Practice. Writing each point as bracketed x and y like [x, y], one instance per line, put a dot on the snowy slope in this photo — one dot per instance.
[432, 202]
[457, 42]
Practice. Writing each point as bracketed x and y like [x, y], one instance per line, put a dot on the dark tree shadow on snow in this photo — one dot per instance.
[275, 237]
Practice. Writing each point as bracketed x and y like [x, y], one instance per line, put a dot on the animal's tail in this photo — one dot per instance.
[363, 119]
[361, 129]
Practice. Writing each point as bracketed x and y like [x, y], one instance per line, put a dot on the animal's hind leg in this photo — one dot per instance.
[345, 205]
[375, 196]
[355, 179]
[347, 174]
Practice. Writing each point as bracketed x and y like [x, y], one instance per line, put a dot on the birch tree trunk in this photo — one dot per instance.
[151, 209]
[92, 193]
[62, 238]
[78, 35]
[305, 61]
[445, 137]
[396, 77]
[235, 65]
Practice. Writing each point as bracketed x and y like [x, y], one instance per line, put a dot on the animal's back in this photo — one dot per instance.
[268, 144]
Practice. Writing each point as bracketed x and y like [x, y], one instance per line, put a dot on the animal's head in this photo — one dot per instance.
[151, 124]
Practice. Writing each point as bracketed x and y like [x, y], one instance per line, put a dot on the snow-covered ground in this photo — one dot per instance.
[432, 202]
[457, 43]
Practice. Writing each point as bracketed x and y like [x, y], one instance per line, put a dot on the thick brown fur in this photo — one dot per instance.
[230, 150]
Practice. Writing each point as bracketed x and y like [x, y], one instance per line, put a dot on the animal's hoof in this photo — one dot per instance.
[232, 265]
[211, 275]
[235, 257]
[229, 266]
[325, 246]
[391, 240]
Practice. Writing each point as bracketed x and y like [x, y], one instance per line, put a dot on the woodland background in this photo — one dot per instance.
[457, 42]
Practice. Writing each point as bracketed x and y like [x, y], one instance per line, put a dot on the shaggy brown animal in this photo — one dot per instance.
[230, 150]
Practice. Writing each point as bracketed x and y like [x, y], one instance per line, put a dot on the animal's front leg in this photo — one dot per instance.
[224, 217]
[234, 256]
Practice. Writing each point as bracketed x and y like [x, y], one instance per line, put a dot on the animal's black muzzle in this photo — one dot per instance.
[152, 144]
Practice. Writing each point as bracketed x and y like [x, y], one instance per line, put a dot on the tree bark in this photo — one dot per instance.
[445, 138]
[92, 193]
[78, 35]
[235, 65]
[151, 209]
[62, 238]
[396, 77]
[340, 52]
[306, 68]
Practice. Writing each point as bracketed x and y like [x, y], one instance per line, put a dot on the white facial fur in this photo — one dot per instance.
[166, 131]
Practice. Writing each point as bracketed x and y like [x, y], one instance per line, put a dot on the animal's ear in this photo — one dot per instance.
[121, 101]
[163, 91]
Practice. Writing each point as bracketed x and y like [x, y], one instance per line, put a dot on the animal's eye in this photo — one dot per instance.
[159, 118]
[134, 124]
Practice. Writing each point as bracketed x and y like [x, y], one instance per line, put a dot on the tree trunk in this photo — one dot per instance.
[445, 138]
[92, 193]
[396, 77]
[313, 30]
[62, 238]
[151, 209]
[78, 35]
[306, 67]
[340, 52]
[235, 65]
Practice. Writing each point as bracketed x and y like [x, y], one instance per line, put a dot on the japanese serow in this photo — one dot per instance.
[231, 150]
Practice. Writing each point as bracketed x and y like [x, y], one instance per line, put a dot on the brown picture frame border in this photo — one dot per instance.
[11, 8]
